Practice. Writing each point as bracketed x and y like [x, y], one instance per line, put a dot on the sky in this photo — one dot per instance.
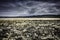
[28, 8]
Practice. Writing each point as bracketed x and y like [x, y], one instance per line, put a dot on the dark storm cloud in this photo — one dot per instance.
[29, 0]
[28, 8]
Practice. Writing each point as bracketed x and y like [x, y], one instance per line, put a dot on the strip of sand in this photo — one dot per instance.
[29, 18]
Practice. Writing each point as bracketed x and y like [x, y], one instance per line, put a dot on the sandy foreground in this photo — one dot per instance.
[29, 28]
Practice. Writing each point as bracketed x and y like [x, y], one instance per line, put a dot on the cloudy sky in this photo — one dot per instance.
[28, 8]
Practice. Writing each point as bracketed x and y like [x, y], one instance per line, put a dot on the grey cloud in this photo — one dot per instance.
[28, 8]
